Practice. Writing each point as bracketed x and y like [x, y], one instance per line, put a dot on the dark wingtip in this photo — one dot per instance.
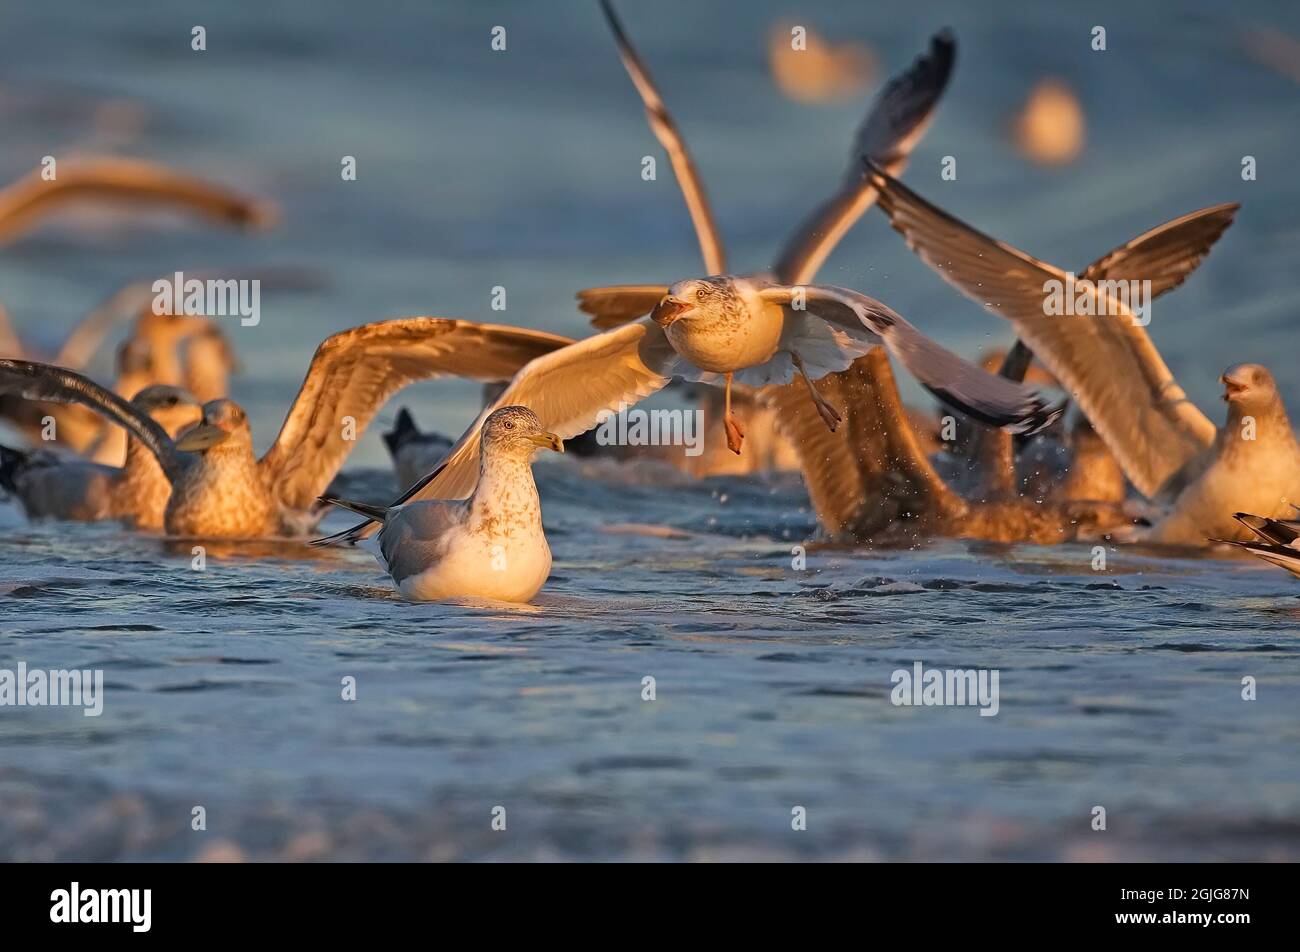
[1039, 419]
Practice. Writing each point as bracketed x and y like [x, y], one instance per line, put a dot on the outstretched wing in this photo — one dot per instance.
[1107, 362]
[355, 371]
[612, 306]
[35, 381]
[31, 198]
[869, 470]
[568, 389]
[897, 120]
[1168, 253]
[666, 131]
[986, 397]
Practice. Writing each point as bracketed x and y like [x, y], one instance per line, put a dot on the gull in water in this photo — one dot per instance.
[747, 328]
[414, 452]
[873, 482]
[220, 489]
[1169, 450]
[1278, 540]
[49, 486]
[763, 329]
[490, 545]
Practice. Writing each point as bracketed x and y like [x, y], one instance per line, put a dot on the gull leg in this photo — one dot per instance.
[734, 433]
[827, 412]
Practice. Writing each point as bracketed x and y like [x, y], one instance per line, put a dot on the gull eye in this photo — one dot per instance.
[509, 424]
[699, 295]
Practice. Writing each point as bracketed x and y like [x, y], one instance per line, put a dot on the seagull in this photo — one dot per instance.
[49, 486]
[1169, 450]
[1279, 540]
[414, 452]
[749, 328]
[28, 201]
[220, 489]
[762, 329]
[490, 545]
[874, 483]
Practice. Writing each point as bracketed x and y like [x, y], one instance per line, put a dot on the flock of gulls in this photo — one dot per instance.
[802, 370]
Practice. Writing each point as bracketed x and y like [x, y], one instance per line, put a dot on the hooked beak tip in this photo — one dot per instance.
[668, 311]
[549, 441]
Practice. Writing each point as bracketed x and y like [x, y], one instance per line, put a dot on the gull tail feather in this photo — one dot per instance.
[351, 535]
[1275, 531]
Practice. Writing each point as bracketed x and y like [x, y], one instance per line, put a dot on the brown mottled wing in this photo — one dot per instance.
[28, 200]
[874, 465]
[666, 131]
[612, 306]
[355, 371]
[568, 389]
[897, 120]
[1108, 363]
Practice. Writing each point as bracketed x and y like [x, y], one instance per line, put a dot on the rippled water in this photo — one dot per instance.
[1119, 688]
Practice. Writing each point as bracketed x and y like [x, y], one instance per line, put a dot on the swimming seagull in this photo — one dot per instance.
[1167, 447]
[221, 490]
[1279, 540]
[414, 452]
[50, 486]
[32, 198]
[762, 329]
[490, 545]
[872, 482]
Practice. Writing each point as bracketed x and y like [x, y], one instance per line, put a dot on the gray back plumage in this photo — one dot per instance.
[415, 537]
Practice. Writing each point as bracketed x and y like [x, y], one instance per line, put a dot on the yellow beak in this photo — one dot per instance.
[202, 437]
[548, 440]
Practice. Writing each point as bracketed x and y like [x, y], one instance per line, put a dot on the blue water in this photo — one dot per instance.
[1119, 688]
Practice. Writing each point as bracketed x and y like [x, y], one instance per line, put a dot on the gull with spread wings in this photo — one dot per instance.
[220, 489]
[751, 328]
[1167, 447]
[763, 329]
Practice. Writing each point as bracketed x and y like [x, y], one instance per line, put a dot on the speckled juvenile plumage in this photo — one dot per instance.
[52, 487]
[221, 490]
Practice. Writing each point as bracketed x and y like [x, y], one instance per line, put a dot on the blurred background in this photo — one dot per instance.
[478, 168]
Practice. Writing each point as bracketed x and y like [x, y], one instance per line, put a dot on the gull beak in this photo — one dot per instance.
[668, 310]
[1231, 388]
[202, 437]
[548, 441]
